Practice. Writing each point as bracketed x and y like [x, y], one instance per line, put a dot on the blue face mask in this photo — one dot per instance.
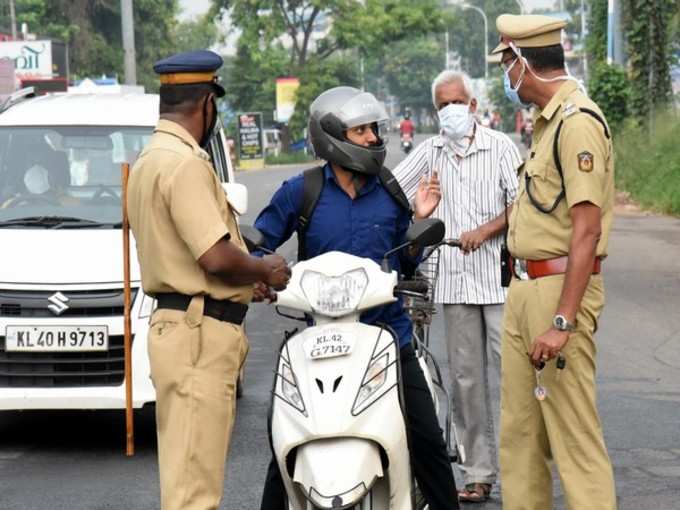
[513, 93]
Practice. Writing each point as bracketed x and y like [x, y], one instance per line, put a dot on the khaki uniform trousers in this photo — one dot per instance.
[565, 427]
[195, 361]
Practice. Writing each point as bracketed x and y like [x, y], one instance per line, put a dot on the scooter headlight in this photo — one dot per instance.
[376, 375]
[334, 296]
[289, 389]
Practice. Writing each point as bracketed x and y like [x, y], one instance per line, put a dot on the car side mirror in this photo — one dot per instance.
[426, 232]
[237, 195]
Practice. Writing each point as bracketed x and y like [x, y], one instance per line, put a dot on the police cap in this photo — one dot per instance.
[191, 67]
[528, 31]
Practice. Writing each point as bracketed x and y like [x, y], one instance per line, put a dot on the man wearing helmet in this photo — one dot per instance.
[356, 214]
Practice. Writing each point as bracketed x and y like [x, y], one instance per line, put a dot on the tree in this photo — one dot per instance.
[409, 68]
[647, 31]
[467, 33]
[92, 29]
[596, 41]
[609, 88]
[196, 34]
[319, 41]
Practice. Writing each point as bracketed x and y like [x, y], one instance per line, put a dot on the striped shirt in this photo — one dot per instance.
[474, 189]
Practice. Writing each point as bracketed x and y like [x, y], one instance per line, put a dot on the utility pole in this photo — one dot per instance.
[614, 35]
[13, 19]
[447, 59]
[128, 27]
[583, 40]
[486, 36]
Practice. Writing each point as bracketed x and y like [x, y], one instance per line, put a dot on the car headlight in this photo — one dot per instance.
[376, 375]
[290, 393]
[334, 295]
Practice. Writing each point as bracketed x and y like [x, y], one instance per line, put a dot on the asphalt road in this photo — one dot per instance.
[75, 461]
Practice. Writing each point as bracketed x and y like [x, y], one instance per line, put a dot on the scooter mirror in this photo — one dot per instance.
[253, 237]
[426, 232]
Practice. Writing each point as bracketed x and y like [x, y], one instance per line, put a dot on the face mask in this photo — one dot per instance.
[455, 121]
[513, 93]
[36, 180]
[207, 135]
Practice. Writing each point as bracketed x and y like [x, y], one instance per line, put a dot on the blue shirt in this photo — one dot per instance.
[368, 226]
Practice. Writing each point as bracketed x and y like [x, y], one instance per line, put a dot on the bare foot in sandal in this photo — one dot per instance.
[475, 493]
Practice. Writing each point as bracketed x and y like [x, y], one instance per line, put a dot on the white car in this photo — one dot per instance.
[61, 252]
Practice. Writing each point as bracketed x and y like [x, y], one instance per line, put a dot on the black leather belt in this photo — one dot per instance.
[224, 310]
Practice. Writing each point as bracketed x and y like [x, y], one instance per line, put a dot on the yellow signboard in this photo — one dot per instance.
[286, 89]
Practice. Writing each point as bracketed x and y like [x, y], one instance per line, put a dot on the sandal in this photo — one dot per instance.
[475, 493]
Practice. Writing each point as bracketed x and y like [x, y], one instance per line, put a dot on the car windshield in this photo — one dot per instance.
[65, 176]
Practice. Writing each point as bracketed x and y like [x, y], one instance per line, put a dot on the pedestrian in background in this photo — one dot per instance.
[477, 169]
[194, 262]
[558, 233]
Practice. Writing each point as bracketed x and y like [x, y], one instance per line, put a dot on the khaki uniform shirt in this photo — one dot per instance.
[178, 210]
[588, 165]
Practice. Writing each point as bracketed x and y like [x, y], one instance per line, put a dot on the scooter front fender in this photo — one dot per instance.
[337, 473]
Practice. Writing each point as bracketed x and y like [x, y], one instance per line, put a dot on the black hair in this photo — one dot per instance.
[183, 98]
[547, 58]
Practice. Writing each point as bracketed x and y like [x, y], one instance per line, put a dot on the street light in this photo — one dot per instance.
[486, 36]
[522, 10]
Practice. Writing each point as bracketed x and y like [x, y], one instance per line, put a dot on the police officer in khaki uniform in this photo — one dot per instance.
[194, 262]
[558, 233]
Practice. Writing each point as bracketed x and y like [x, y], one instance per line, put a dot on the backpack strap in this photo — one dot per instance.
[313, 181]
[390, 183]
[311, 191]
[558, 163]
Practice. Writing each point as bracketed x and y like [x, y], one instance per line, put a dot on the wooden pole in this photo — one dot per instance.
[127, 293]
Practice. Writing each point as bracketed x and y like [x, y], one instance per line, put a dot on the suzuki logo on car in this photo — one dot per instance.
[58, 305]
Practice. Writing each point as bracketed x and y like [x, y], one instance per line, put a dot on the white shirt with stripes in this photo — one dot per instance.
[475, 187]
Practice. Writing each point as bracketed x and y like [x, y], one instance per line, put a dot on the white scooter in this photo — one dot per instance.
[337, 420]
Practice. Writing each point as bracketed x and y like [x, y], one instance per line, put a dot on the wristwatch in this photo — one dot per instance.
[561, 323]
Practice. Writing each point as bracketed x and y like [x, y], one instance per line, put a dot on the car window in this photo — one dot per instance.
[69, 171]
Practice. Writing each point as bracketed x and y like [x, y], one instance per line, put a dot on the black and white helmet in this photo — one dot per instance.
[334, 112]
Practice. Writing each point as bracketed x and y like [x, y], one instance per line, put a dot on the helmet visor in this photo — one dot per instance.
[363, 108]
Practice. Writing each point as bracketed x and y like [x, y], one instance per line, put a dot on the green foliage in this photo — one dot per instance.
[610, 89]
[92, 30]
[409, 68]
[196, 34]
[502, 104]
[354, 30]
[647, 30]
[648, 163]
[467, 29]
[596, 41]
[314, 80]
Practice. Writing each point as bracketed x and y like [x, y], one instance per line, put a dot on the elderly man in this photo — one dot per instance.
[558, 234]
[477, 168]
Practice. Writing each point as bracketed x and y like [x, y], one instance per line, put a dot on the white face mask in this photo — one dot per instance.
[455, 121]
[36, 180]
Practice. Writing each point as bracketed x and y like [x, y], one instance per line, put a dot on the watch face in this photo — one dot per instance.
[560, 322]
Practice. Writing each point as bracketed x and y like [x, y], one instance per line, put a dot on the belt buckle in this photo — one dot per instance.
[520, 269]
